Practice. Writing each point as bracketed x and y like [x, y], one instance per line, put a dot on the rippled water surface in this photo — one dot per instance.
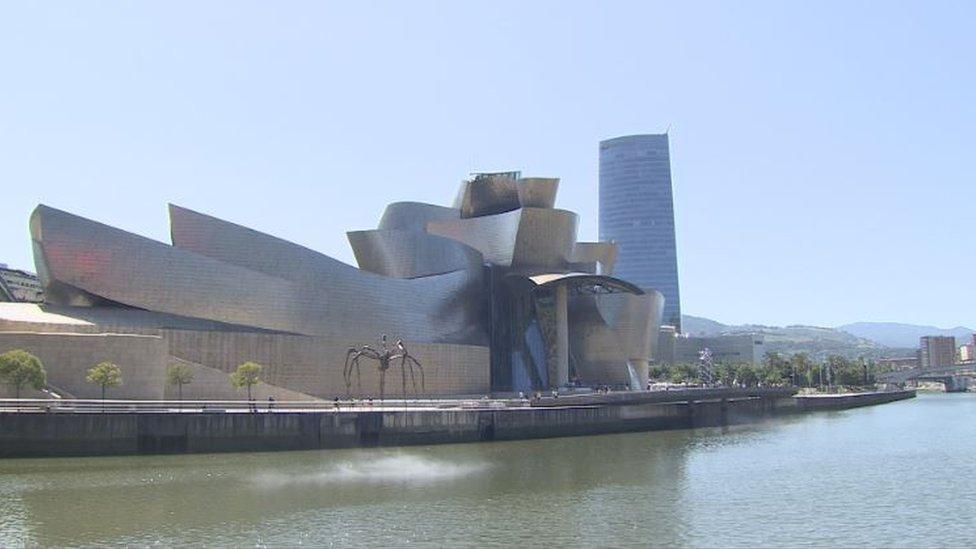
[902, 474]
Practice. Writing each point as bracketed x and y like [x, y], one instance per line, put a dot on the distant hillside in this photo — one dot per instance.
[893, 334]
[699, 326]
[816, 341]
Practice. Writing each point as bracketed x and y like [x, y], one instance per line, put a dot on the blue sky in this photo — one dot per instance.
[822, 152]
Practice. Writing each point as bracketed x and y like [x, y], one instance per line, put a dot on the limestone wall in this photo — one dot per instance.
[68, 356]
[314, 365]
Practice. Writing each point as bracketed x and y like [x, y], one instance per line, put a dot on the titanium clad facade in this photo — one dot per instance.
[637, 212]
[495, 294]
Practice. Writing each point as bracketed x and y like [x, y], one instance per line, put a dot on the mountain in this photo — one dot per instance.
[818, 342]
[893, 334]
[700, 326]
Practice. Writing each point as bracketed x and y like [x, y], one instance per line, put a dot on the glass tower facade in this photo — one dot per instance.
[637, 212]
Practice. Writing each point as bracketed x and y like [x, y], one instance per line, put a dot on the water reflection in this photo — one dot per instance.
[766, 483]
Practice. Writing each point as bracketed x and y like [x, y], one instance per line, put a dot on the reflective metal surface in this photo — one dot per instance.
[224, 272]
[602, 255]
[437, 277]
[608, 331]
[412, 254]
[487, 195]
[414, 215]
[537, 192]
[528, 239]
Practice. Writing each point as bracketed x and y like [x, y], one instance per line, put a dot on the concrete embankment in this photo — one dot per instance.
[56, 433]
[843, 401]
[94, 433]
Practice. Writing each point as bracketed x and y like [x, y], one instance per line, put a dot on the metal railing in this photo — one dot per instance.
[243, 406]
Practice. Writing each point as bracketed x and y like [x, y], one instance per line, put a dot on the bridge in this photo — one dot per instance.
[956, 378]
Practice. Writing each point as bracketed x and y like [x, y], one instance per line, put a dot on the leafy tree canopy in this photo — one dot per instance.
[179, 373]
[19, 369]
[106, 374]
[246, 375]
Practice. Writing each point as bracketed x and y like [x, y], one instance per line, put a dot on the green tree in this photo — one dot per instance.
[746, 374]
[105, 374]
[658, 371]
[19, 369]
[683, 372]
[803, 370]
[725, 374]
[844, 371]
[179, 374]
[246, 375]
[776, 369]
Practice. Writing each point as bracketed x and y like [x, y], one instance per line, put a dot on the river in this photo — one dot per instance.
[901, 474]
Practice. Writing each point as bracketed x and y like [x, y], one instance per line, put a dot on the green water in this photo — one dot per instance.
[901, 474]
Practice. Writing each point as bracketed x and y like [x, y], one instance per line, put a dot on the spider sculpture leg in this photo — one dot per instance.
[416, 363]
[382, 382]
[359, 376]
[347, 368]
[364, 352]
[403, 382]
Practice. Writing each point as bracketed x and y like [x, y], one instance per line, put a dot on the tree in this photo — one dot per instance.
[725, 374]
[803, 370]
[179, 374]
[106, 374]
[683, 372]
[246, 375]
[775, 369]
[746, 374]
[844, 371]
[22, 369]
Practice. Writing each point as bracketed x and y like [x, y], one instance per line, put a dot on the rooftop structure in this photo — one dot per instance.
[492, 294]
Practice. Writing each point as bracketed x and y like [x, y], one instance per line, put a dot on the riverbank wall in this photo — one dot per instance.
[844, 401]
[27, 434]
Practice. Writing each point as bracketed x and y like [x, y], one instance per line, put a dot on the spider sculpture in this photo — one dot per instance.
[385, 357]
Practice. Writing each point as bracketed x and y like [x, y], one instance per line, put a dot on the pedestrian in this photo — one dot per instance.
[271, 402]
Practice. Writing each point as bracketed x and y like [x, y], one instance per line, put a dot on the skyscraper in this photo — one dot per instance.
[637, 212]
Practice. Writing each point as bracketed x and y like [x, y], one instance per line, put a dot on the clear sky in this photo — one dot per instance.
[822, 152]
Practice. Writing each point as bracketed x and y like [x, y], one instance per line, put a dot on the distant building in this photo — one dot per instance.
[936, 351]
[967, 353]
[725, 349]
[19, 286]
[637, 213]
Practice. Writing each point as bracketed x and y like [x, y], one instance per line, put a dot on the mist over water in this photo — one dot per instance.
[402, 468]
[896, 475]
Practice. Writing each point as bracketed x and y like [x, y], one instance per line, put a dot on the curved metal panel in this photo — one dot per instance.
[602, 253]
[411, 254]
[579, 280]
[538, 192]
[609, 331]
[487, 195]
[239, 276]
[545, 240]
[447, 307]
[528, 240]
[494, 236]
[414, 215]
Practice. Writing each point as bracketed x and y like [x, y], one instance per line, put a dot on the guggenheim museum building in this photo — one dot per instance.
[493, 295]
